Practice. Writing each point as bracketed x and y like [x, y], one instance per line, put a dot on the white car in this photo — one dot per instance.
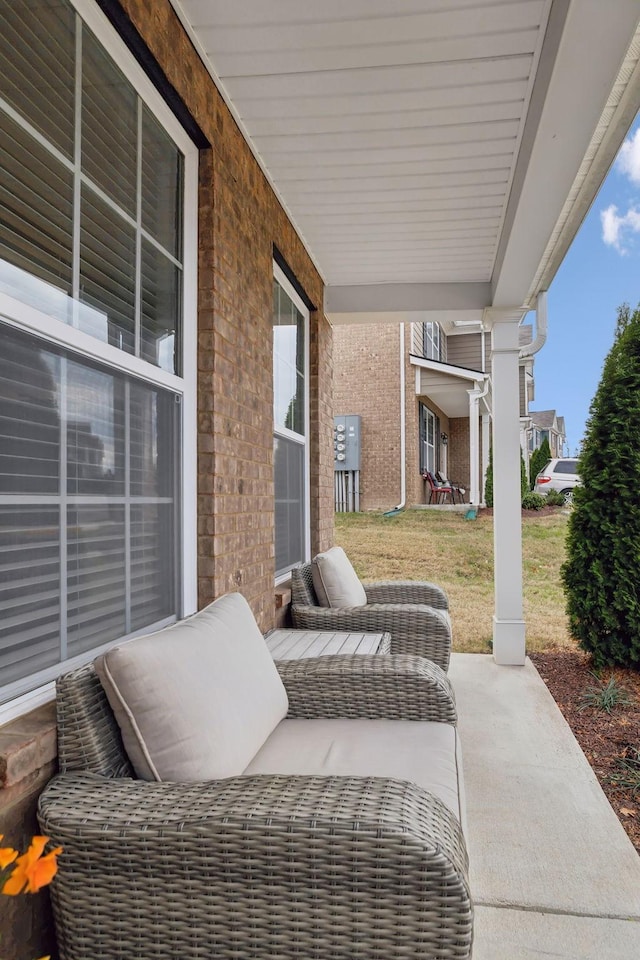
[560, 474]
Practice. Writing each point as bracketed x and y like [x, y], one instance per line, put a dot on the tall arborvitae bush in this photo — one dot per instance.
[601, 574]
[538, 460]
[488, 481]
[524, 480]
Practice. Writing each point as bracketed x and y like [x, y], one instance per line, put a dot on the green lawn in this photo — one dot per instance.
[458, 554]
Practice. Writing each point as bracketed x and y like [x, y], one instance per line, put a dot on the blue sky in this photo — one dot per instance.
[600, 271]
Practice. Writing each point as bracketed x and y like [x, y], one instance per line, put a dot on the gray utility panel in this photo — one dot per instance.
[346, 442]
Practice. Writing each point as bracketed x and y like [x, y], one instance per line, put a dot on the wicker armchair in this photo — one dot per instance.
[258, 866]
[415, 613]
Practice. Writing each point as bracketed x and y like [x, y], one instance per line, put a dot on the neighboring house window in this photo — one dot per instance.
[431, 341]
[291, 420]
[96, 389]
[429, 426]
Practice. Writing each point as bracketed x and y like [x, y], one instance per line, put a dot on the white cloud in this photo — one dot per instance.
[629, 157]
[617, 230]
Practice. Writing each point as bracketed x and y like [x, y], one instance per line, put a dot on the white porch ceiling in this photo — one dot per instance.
[422, 144]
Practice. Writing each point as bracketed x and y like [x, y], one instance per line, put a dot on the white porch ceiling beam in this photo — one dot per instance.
[584, 48]
[365, 303]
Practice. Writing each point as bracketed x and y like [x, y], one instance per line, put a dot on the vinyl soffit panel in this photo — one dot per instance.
[375, 107]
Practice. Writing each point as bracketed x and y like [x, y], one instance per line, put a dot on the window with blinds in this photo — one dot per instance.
[91, 236]
[429, 427]
[87, 505]
[290, 414]
[91, 188]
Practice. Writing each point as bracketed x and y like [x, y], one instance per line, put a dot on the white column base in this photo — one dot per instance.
[509, 647]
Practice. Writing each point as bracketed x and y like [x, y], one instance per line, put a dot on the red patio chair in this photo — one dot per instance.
[437, 490]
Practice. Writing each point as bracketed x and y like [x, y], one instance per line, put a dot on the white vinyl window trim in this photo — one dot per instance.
[28, 318]
[289, 289]
[432, 344]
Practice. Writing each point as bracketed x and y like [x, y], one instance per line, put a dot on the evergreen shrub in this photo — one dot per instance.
[539, 458]
[601, 574]
[533, 501]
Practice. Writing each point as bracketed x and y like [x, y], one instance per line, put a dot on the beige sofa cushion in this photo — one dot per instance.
[335, 581]
[424, 752]
[197, 700]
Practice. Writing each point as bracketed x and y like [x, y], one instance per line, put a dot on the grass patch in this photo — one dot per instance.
[458, 554]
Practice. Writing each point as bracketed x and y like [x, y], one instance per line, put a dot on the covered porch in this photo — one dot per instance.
[437, 163]
[552, 870]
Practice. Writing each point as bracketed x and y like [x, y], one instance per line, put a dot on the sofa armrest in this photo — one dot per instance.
[406, 591]
[414, 628]
[393, 687]
[256, 866]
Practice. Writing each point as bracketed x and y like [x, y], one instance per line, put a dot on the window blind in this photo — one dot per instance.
[88, 506]
[37, 52]
[109, 125]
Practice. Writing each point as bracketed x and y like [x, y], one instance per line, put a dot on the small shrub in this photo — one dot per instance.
[533, 501]
[488, 481]
[605, 696]
[524, 480]
[627, 774]
[555, 498]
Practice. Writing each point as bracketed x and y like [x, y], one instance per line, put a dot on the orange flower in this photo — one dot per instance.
[7, 855]
[32, 870]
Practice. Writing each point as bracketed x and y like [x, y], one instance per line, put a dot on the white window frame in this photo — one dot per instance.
[436, 439]
[432, 338]
[289, 289]
[24, 317]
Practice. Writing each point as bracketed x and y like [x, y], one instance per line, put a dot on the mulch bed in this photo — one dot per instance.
[604, 738]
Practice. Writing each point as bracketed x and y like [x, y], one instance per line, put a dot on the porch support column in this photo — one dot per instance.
[508, 619]
[486, 441]
[474, 445]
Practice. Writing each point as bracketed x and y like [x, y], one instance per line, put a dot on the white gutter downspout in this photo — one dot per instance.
[403, 427]
[475, 396]
[541, 328]
[528, 351]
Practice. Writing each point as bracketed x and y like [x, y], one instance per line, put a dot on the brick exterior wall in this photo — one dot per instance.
[459, 469]
[367, 382]
[240, 222]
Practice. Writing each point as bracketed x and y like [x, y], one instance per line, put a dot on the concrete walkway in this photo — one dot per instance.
[553, 874]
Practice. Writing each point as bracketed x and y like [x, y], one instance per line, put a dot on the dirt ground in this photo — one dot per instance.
[605, 739]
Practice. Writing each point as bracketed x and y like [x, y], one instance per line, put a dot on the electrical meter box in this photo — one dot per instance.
[346, 442]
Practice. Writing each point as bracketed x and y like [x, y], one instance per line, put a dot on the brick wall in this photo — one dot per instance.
[240, 221]
[460, 470]
[367, 382]
[28, 752]
[458, 453]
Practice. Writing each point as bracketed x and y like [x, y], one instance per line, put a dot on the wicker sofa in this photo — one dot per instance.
[340, 837]
[415, 613]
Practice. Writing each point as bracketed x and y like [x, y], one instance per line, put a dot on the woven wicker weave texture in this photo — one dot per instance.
[415, 627]
[258, 867]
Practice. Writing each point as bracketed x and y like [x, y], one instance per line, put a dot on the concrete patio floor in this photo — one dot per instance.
[553, 873]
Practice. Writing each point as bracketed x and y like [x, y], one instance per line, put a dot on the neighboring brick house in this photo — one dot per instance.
[447, 405]
[547, 425]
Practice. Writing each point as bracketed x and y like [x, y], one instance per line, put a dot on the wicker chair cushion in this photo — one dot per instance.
[335, 581]
[197, 700]
[425, 752]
